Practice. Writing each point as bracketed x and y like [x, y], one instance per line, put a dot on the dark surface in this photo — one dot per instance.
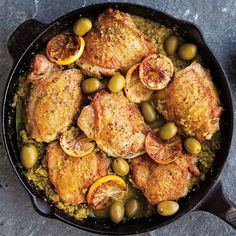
[194, 223]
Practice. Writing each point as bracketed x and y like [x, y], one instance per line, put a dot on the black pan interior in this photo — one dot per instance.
[188, 32]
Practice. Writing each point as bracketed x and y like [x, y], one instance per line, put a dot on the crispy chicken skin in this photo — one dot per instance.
[41, 68]
[192, 101]
[54, 100]
[113, 44]
[163, 182]
[72, 176]
[115, 124]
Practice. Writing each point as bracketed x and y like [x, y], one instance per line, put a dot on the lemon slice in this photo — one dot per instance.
[106, 190]
[135, 91]
[162, 152]
[155, 71]
[75, 143]
[65, 49]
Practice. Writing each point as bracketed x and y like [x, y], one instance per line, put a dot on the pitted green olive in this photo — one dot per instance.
[187, 51]
[148, 112]
[167, 208]
[82, 26]
[168, 131]
[90, 85]
[28, 155]
[132, 207]
[192, 145]
[116, 83]
[117, 212]
[171, 44]
[120, 166]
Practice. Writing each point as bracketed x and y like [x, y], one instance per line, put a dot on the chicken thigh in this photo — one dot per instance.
[114, 44]
[72, 176]
[163, 182]
[192, 102]
[54, 99]
[115, 124]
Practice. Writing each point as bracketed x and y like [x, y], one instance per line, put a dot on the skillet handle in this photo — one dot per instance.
[23, 36]
[42, 207]
[217, 203]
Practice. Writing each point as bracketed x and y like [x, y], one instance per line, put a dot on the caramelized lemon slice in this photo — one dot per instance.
[155, 71]
[106, 190]
[162, 152]
[75, 143]
[65, 49]
[135, 91]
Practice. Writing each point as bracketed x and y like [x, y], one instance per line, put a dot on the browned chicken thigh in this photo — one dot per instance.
[71, 176]
[115, 124]
[54, 99]
[163, 182]
[113, 44]
[192, 102]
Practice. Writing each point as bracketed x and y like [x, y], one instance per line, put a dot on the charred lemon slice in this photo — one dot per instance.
[155, 71]
[162, 152]
[106, 190]
[134, 89]
[65, 49]
[75, 143]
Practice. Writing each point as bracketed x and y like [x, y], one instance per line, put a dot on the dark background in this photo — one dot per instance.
[216, 19]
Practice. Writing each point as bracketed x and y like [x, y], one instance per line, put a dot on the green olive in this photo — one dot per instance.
[117, 212]
[168, 131]
[187, 51]
[82, 26]
[116, 83]
[28, 155]
[90, 85]
[171, 44]
[167, 208]
[148, 112]
[120, 166]
[132, 208]
[192, 145]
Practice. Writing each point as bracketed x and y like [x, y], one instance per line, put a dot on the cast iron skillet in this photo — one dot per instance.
[31, 37]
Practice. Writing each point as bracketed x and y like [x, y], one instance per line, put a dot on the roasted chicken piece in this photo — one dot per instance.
[41, 68]
[163, 182]
[72, 176]
[114, 44]
[192, 102]
[54, 100]
[115, 124]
